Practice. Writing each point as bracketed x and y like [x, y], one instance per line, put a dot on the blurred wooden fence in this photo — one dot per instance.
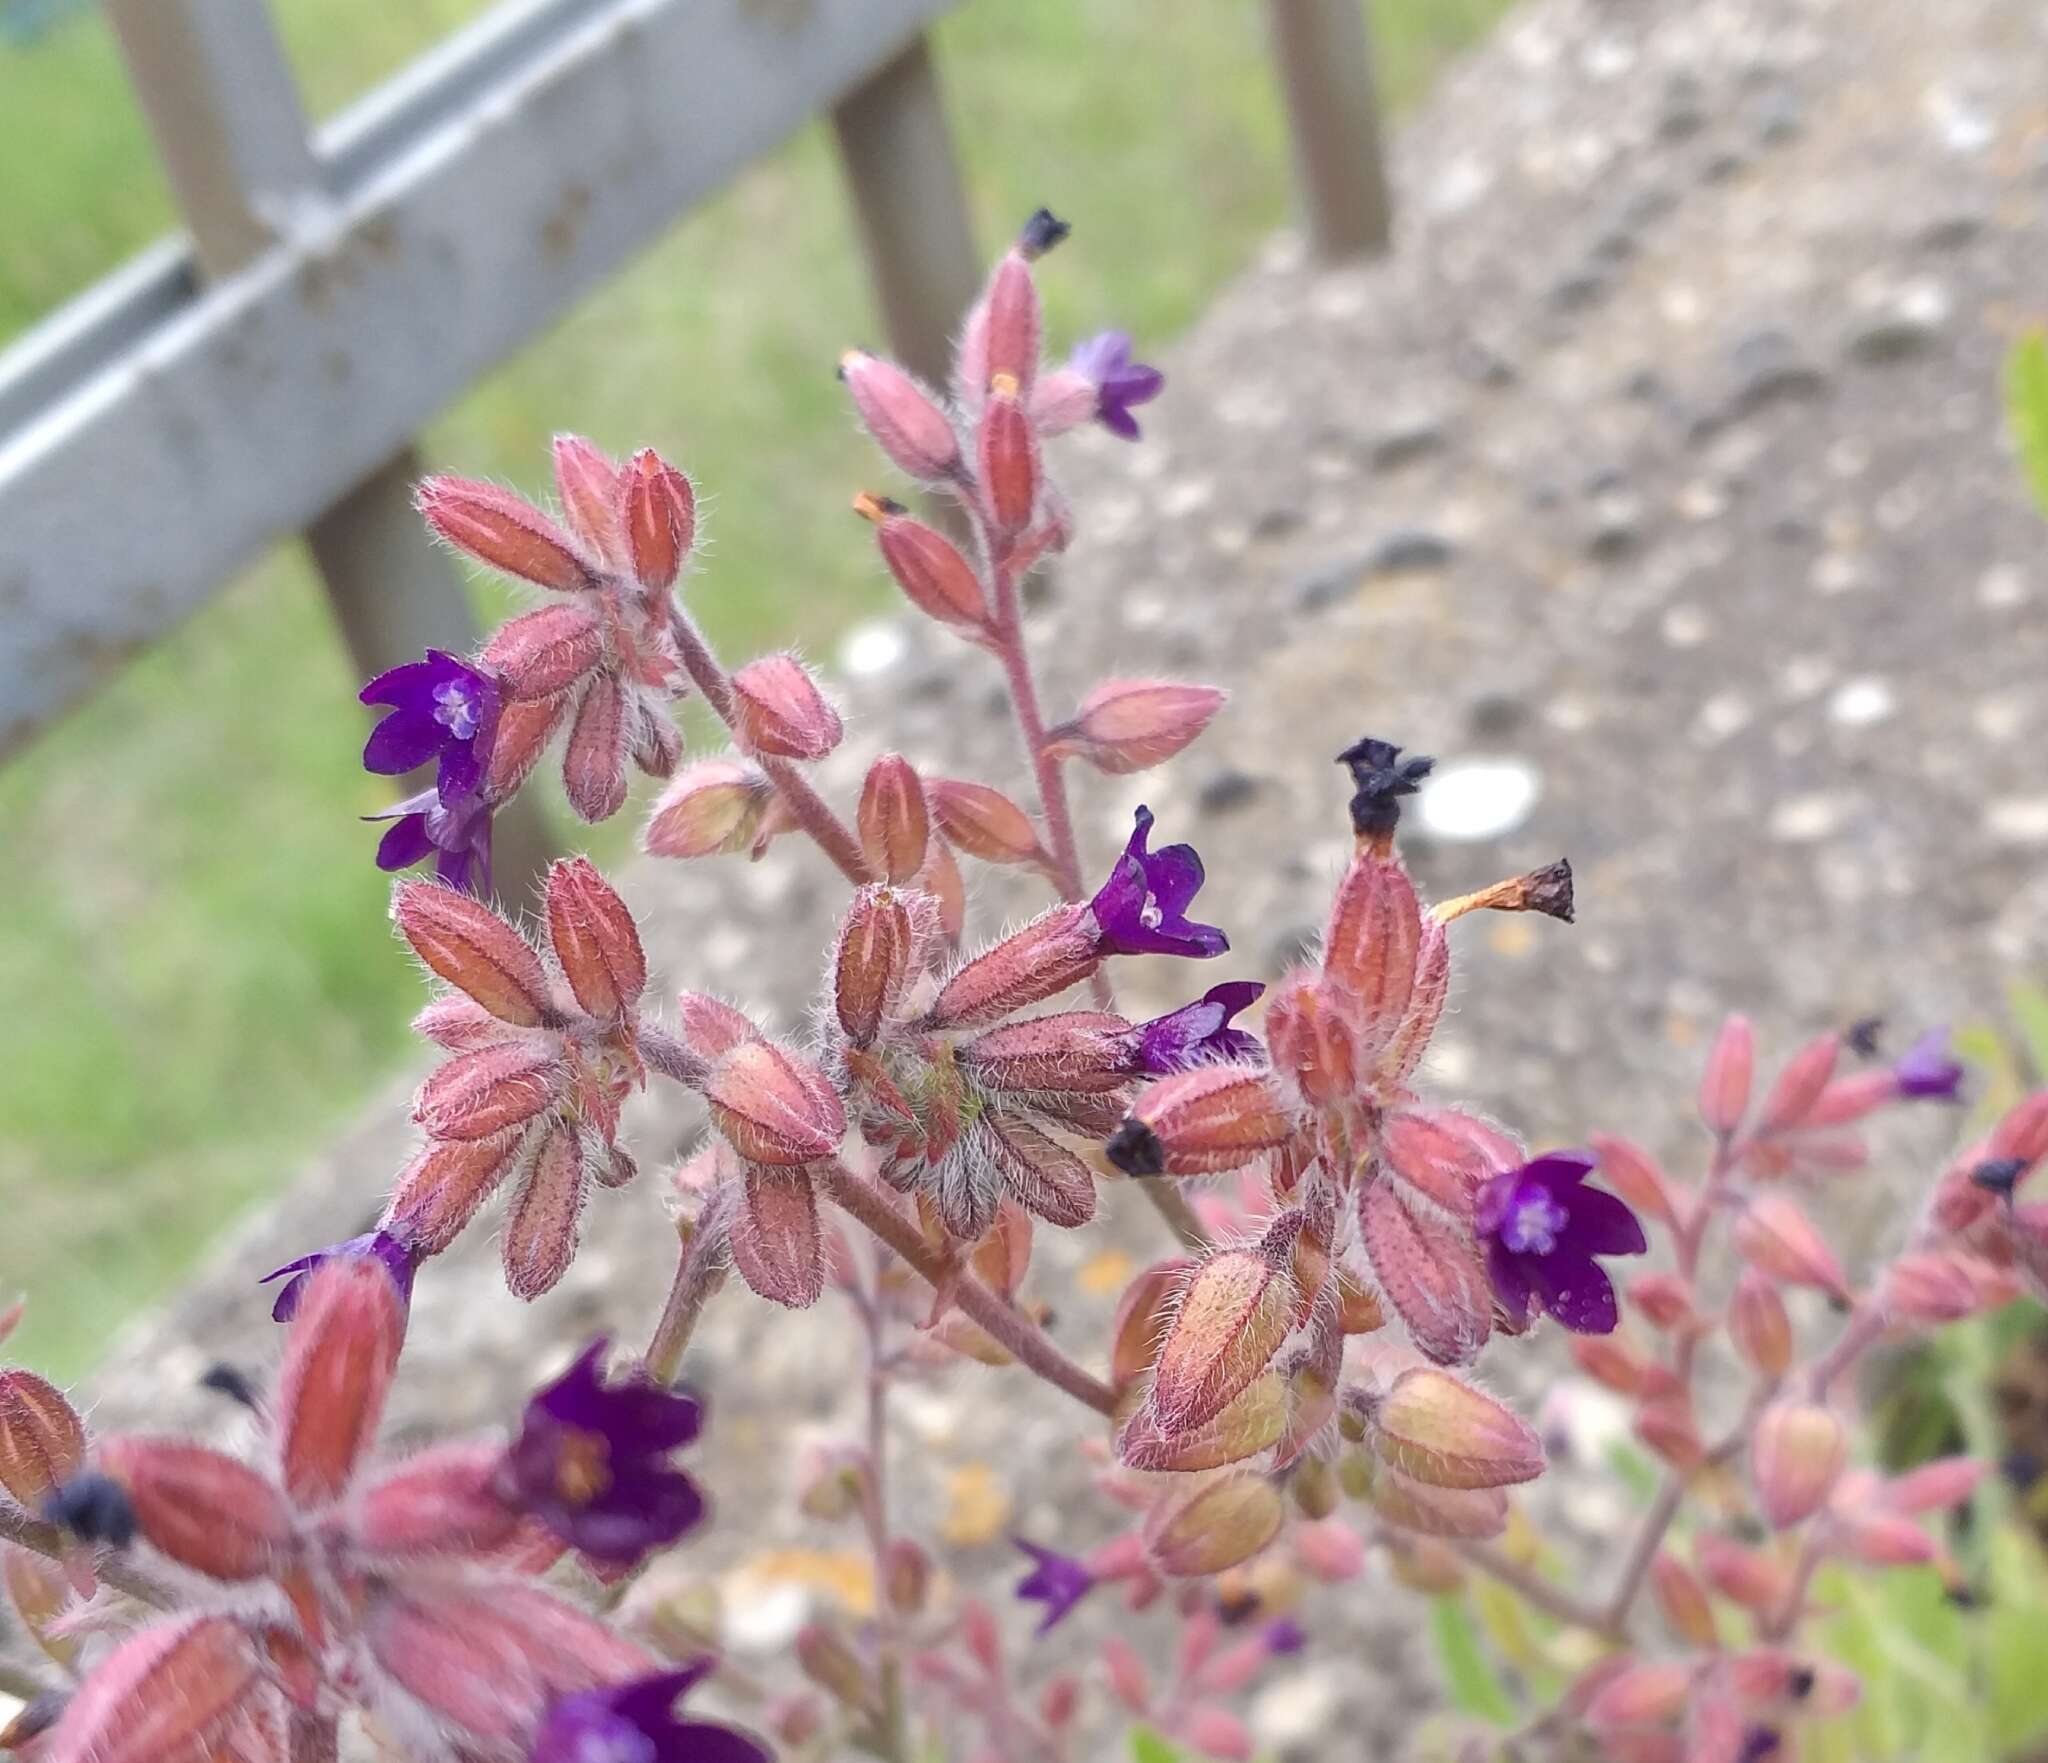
[265, 376]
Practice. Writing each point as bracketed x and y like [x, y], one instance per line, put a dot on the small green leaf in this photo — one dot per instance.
[2026, 403]
[1148, 1747]
[1474, 1689]
[1633, 1470]
[2030, 1012]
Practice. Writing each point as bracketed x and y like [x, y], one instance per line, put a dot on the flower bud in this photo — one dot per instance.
[1216, 1732]
[541, 655]
[907, 1576]
[202, 1510]
[1009, 324]
[905, 419]
[1667, 1427]
[773, 1107]
[1759, 1325]
[1648, 1693]
[474, 950]
[1126, 1675]
[171, 1694]
[714, 806]
[1743, 1576]
[1944, 1285]
[595, 940]
[983, 822]
[1608, 1362]
[1059, 1702]
[660, 520]
[2022, 1132]
[1774, 1236]
[1088, 1052]
[1664, 1299]
[443, 1187]
[779, 712]
[1209, 1118]
[1216, 1525]
[498, 528]
[1312, 1040]
[588, 486]
[1051, 953]
[1725, 1084]
[1683, 1602]
[442, 1502]
[1429, 1272]
[1007, 453]
[1852, 1098]
[894, 821]
[42, 1440]
[339, 1360]
[1235, 1312]
[879, 947]
[1141, 1319]
[1371, 948]
[1796, 1457]
[474, 1095]
[1635, 1177]
[1329, 1550]
[1313, 1488]
[1801, 1084]
[1936, 1486]
[1131, 725]
[1423, 1565]
[1464, 1514]
[1437, 1429]
[1883, 1539]
[984, 1640]
[927, 565]
[711, 1028]
[594, 760]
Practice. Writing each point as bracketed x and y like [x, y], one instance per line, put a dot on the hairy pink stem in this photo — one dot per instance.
[700, 1272]
[892, 1737]
[807, 808]
[1017, 1335]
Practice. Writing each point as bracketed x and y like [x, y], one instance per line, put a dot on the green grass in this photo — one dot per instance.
[200, 981]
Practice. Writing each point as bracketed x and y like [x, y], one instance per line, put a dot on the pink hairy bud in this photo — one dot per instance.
[1462, 1514]
[894, 819]
[595, 940]
[1130, 725]
[1649, 1693]
[543, 654]
[1618, 1367]
[1373, 943]
[1194, 1122]
[1435, 1428]
[1944, 1285]
[338, 1365]
[1774, 1236]
[773, 1107]
[2022, 1133]
[907, 1576]
[459, 1024]
[880, 943]
[983, 822]
[1429, 1273]
[587, 483]
[498, 528]
[1936, 1486]
[660, 520]
[1884, 1539]
[540, 1229]
[475, 1095]
[1142, 1316]
[1852, 1098]
[1682, 1601]
[524, 730]
[825, 1657]
[1329, 1550]
[1054, 951]
[442, 1502]
[1743, 1576]
[443, 1187]
[779, 711]
[1801, 1084]
[927, 565]
[1010, 323]
[906, 421]
[1215, 1526]
[1759, 1326]
[1667, 1426]
[1311, 1039]
[1633, 1174]
[1796, 1458]
[1664, 1299]
[1126, 1675]
[202, 1510]
[1007, 452]
[712, 807]
[1725, 1084]
[1087, 1052]
[42, 1440]
[172, 1694]
[1235, 1312]
[1216, 1732]
[467, 944]
[594, 763]
[711, 1027]
[776, 1240]
[1252, 1421]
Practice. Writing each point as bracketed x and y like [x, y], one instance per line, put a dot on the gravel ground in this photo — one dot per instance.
[1656, 485]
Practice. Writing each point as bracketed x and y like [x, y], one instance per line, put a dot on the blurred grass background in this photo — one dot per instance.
[200, 982]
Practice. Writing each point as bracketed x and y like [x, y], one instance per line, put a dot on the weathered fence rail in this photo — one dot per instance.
[339, 289]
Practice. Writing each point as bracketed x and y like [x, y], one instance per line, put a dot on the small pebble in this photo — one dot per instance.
[1477, 798]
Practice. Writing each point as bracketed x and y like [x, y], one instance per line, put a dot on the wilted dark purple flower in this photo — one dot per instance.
[396, 1258]
[1542, 1227]
[1285, 1636]
[1759, 1743]
[1105, 361]
[1928, 1071]
[636, 1722]
[592, 1462]
[1142, 908]
[1059, 1582]
[1199, 1033]
[446, 710]
[456, 835]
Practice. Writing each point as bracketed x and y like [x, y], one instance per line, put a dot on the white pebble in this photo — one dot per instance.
[2018, 820]
[1478, 798]
[873, 648]
[1858, 703]
[1800, 820]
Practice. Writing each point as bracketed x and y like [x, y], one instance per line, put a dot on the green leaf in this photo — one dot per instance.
[2026, 403]
[1148, 1747]
[1633, 1470]
[1474, 1689]
[2030, 1012]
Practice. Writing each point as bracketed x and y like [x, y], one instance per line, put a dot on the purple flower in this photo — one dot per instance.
[1142, 908]
[1059, 1582]
[397, 1259]
[1285, 1636]
[1541, 1227]
[446, 710]
[636, 1723]
[1927, 1071]
[592, 1462]
[1105, 361]
[1200, 1032]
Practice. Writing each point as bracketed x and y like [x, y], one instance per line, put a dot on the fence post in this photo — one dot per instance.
[224, 110]
[911, 207]
[1325, 60]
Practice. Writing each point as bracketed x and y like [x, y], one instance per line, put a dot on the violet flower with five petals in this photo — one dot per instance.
[445, 710]
[1541, 1227]
[1059, 1582]
[1105, 362]
[1927, 1071]
[636, 1722]
[1142, 908]
[397, 1259]
[592, 1462]
[1200, 1033]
